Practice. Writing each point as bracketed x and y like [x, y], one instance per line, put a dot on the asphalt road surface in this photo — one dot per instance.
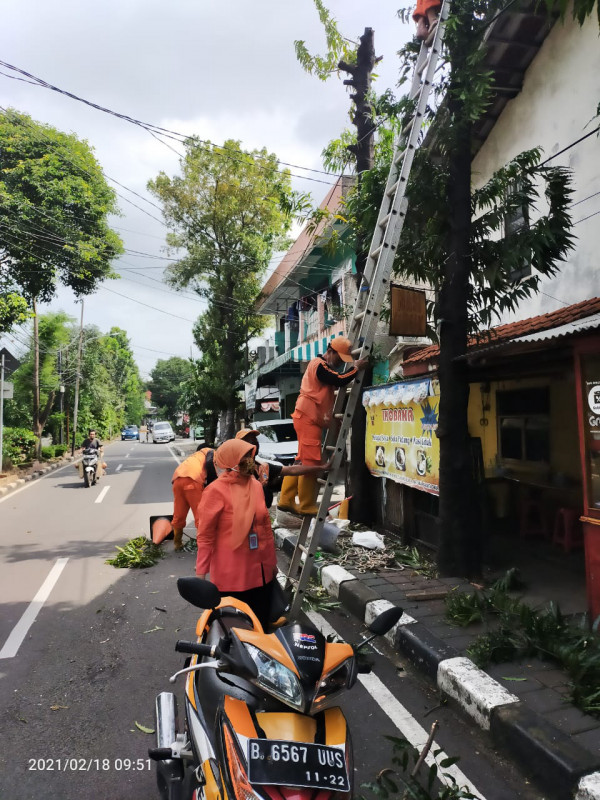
[85, 647]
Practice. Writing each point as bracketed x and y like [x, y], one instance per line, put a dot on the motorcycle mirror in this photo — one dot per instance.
[199, 593]
[385, 621]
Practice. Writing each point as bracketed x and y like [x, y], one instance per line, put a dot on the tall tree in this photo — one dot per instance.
[453, 241]
[166, 383]
[54, 207]
[230, 210]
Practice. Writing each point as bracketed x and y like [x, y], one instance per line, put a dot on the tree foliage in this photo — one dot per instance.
[338, 48]
[54, 205]
[229, 209]
[111, 392]
[166, 383]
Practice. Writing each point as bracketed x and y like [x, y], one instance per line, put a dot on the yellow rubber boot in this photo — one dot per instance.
[287, 495]
[177, 539]
[307, 493]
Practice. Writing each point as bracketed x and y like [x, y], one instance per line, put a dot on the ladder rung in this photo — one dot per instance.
[385, 220]
[302, 548]
[322, 481]
[375, 253]
[392, 190]
[359, 316]
[338, 416]
[330, 447]
[357, 351]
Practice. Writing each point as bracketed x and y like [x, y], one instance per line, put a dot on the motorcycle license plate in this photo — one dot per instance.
[310, 766]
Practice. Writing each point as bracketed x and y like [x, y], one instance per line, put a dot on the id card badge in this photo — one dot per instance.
[253, 540]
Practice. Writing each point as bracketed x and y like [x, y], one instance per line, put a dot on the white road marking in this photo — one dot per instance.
[118, 468]
[178, 460]
[19, 632]
[102, 495]
[400, 716]
[127, 455]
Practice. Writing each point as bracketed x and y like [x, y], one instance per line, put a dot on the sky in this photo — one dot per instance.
[215, 69]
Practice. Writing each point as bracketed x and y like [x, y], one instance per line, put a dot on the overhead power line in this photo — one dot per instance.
[156, 129]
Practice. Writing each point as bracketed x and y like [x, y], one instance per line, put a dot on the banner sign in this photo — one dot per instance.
[401, 443]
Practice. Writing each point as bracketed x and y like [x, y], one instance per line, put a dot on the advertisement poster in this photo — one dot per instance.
[401, 443]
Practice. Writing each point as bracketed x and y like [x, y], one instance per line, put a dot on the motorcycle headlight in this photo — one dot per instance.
[339, 678]
[275, 678]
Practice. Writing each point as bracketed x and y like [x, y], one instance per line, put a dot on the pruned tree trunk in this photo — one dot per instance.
[361, 483]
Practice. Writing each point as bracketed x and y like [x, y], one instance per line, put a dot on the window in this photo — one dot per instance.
[524, 425]
[516, 220]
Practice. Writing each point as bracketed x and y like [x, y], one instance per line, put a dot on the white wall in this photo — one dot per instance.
[560, 95]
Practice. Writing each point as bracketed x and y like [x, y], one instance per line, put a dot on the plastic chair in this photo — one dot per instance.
[567, 530]
[532, 518]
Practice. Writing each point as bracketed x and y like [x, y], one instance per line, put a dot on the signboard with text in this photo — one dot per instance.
[401, 443]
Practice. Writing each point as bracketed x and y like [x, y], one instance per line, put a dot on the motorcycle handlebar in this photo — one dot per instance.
[195, 648]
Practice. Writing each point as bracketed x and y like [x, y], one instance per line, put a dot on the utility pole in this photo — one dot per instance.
[361, 483]
[80, 348]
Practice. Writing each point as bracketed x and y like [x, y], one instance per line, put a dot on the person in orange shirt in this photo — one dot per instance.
[312, 415]
[188, 481]
[235, 538]
[426, 16]
[271, 474]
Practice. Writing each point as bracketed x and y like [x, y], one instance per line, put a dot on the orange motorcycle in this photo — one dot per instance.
[261, 720]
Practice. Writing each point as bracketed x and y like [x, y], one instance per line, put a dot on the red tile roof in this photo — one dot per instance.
[512, 330]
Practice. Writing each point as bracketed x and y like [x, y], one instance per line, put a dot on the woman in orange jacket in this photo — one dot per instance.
[188, 481]
[235, 538]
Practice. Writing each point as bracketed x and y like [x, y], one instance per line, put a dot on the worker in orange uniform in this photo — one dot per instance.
[312, 415]
[189, 480]
[426, 16]
[271, 474]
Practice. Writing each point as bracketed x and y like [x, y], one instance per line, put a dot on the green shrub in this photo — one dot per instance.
[48, 452]
[18, 445]
[60, 449]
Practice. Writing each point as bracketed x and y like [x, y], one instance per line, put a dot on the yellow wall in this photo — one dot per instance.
[564, 437]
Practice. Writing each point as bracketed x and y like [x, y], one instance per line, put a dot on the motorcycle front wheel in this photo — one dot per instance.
[86, 478]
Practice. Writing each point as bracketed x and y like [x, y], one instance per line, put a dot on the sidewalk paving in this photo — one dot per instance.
[522, 705]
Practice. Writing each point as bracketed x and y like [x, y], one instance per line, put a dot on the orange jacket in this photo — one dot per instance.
[193, 467]
[240, 569]
[317, 390]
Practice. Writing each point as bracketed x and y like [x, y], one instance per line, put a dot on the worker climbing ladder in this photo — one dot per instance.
[373, 288]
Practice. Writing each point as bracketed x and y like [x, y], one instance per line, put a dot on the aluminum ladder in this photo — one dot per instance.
[372, 292]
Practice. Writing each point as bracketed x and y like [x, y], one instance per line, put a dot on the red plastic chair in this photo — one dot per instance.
[567, 530]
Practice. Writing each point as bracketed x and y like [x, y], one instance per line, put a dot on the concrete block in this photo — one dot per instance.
[280, 535]
[588, 788]
[423, 649]
[377, 607]
[354, 596]
[332, 577]
[476, 692]
[551, 757]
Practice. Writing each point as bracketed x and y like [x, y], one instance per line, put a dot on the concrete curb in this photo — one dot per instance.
[560, 765]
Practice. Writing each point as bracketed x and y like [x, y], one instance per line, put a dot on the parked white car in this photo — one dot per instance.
[277, 440]
[162, 432]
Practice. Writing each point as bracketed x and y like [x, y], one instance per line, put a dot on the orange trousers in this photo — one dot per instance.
[187, 494]
[423, 6]
[309, 439]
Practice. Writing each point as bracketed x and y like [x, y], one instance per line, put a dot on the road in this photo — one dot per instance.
[74, 685]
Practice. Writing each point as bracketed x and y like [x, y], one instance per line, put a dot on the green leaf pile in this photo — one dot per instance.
[138, 553]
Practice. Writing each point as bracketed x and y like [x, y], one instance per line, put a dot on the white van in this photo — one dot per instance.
[277, 440]
[162, 432]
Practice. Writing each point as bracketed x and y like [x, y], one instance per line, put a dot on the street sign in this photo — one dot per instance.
[408, 311]
[8, 388]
